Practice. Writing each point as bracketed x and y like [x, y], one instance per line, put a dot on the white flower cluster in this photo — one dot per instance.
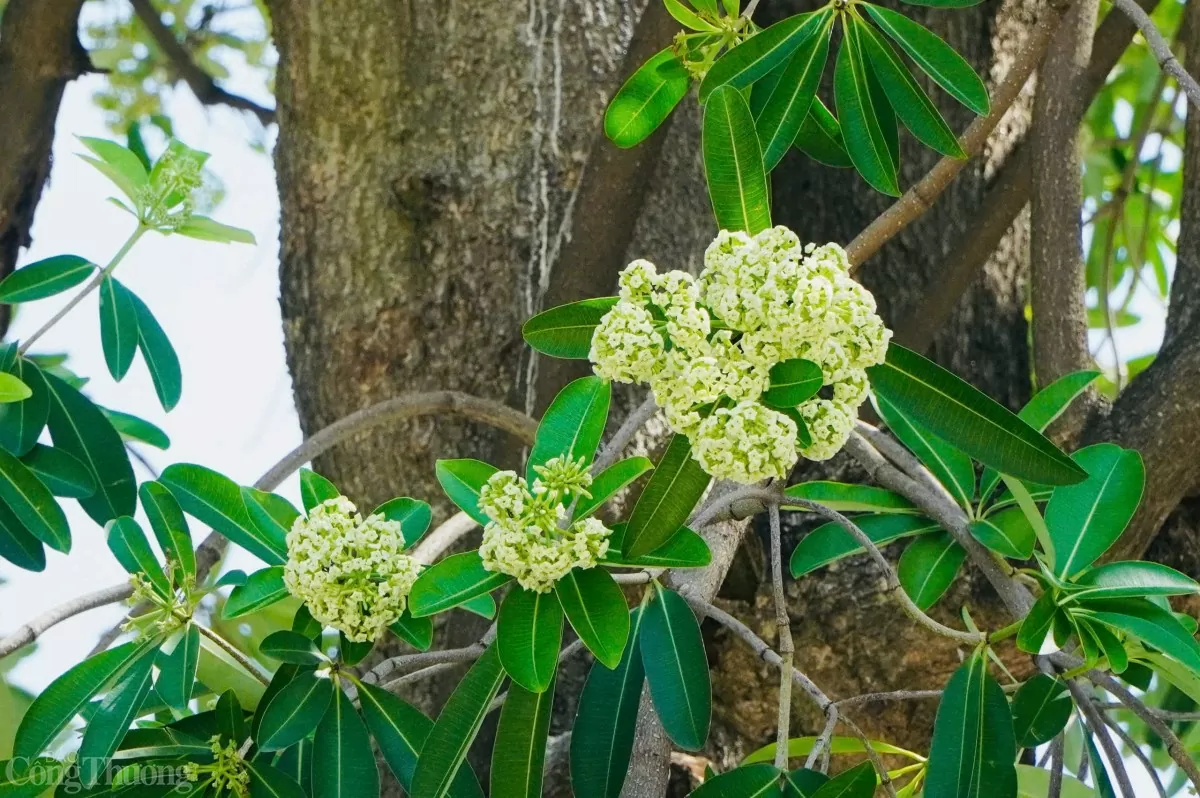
[526, 537]
[706, 347]
[167, 201]
[350, 571]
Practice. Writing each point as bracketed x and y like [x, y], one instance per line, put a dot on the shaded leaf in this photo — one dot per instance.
[1086, 518]
[646, 99]
[118, 327]
[452, 581]
[829, 542]
[733, 163]
[667, 501]
[595, 606]
[343, 761]
[529, 631]
[928, 566]
[862, 131]
[677, 669]
[1040, 709]
[519, 755]
[45, 278]
[566, 331]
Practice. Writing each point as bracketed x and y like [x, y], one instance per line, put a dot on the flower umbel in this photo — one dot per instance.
[166, 613]
[351, 572]
[227, 772]
[528, 537]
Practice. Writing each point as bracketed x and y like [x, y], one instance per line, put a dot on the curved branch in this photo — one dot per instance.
[30, 631]
[1161, 49]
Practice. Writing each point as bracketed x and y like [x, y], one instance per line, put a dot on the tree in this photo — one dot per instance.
[404, 266]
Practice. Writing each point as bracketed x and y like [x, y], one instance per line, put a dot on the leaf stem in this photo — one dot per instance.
[1005, 633]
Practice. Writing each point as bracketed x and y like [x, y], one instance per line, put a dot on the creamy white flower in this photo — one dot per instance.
[746, 443]
[625, 346]
[829, 423]
[351, 572]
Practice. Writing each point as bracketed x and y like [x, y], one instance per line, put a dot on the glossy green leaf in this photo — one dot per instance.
[646, 99]
[462, 479]
[761, 53]
[610, 481]
[160, 356]
[566, 331]
[63, 699]
[271, 514]
[118, 327]
[343, 760]
[677, 669]
[114, 715]
[231, 718]
[848, 498]
[781, 101]
[948, 465]
[857, 782]
[973, 746]
[62, 473]
[928, 566]
[1131, 579]
[417, 632]
[936, 58]
[968, 420]
[45, 278]
[22, 422]
[288, 646]
[820, 137]
[733, 163]
[686, 17]
[595, 606]
[1034, 782]
[573, 424]
[129, 545]
[264, 588]
[413, 517]
[445, 751]
[1149, 623]
[602, 737]
[862, 130]
[125, 169]
[452, 581]
[803, 783]
[79, 428]
[802, 747]
[18, 545]
[519, 755]
[315, 489]
[829, 542]
[177, 669]
[135, 429]
[221, 673]
[268, 781]
[206, 229]
[1008, 533]
[529, 631]
[674, 490]
[792, 382]
[295, 711]
[747, 781]
[12, 389]
[216, 500]
[684, 549]
[1085, 519]
[33, 504]
[1034, 635]
[1040, 709]
[169, 526]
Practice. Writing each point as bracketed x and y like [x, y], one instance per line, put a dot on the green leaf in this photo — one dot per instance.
[343, 761]
[566, 331]
[1132, 579]
[573, 424]
[1040, 709]
[21, 423]
[288, 646]
[462, 479]
[529, 631]
[908, 100]
[400, 730]
[413, 517]
[820, 137]
[118, 164]
[684, 549]
[1034, 634]
[262, 589]
[45, 278]
[646, 99]
[18, 545]
[677, 669]
[733, 163]
[608, 482]
[216, 500]
[686, 17]
[170, 527]
[315, 489]
[12, 389]
[1008, 533]
[452, 581]
[79, 428]
[848, 498]
[928, 566]
[829, 542]
[792, 382]
[55, 707]
[969, 420]
[268, 781]
[118, 327]
[62, 473]
[33, 504]
[951, 467]
[944, 3]
[129, 545]
[220, 673]
[857, 782]
[936, 58]
[132, 428]
[862, 131]
[1087, 518]
[417, 632]
[271, 514]
[802, 746]
[159, 355]
[177, 669]
[781, 101]
[602, 737]
[295, 711]
[206, 229]
[1104, 788]
[1149, 623]
[747, 781]
[231, 719]
[762, 52]
[445, 750]
[519, 755]
[114, 715]
[595, 606]
[669, 498]
[803, 783]
[973, 741]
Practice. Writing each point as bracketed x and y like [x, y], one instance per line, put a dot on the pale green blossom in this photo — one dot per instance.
[227, 771]
[625, 346]
[351, 572]
[746, 443]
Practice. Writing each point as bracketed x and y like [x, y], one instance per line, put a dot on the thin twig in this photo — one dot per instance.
[233, 652]
[893, 695]
[624, 434]
[787, 649]
[1056, 767]
[28, 632]
[1095, 723]
[1161, 49]
[1132, 745]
